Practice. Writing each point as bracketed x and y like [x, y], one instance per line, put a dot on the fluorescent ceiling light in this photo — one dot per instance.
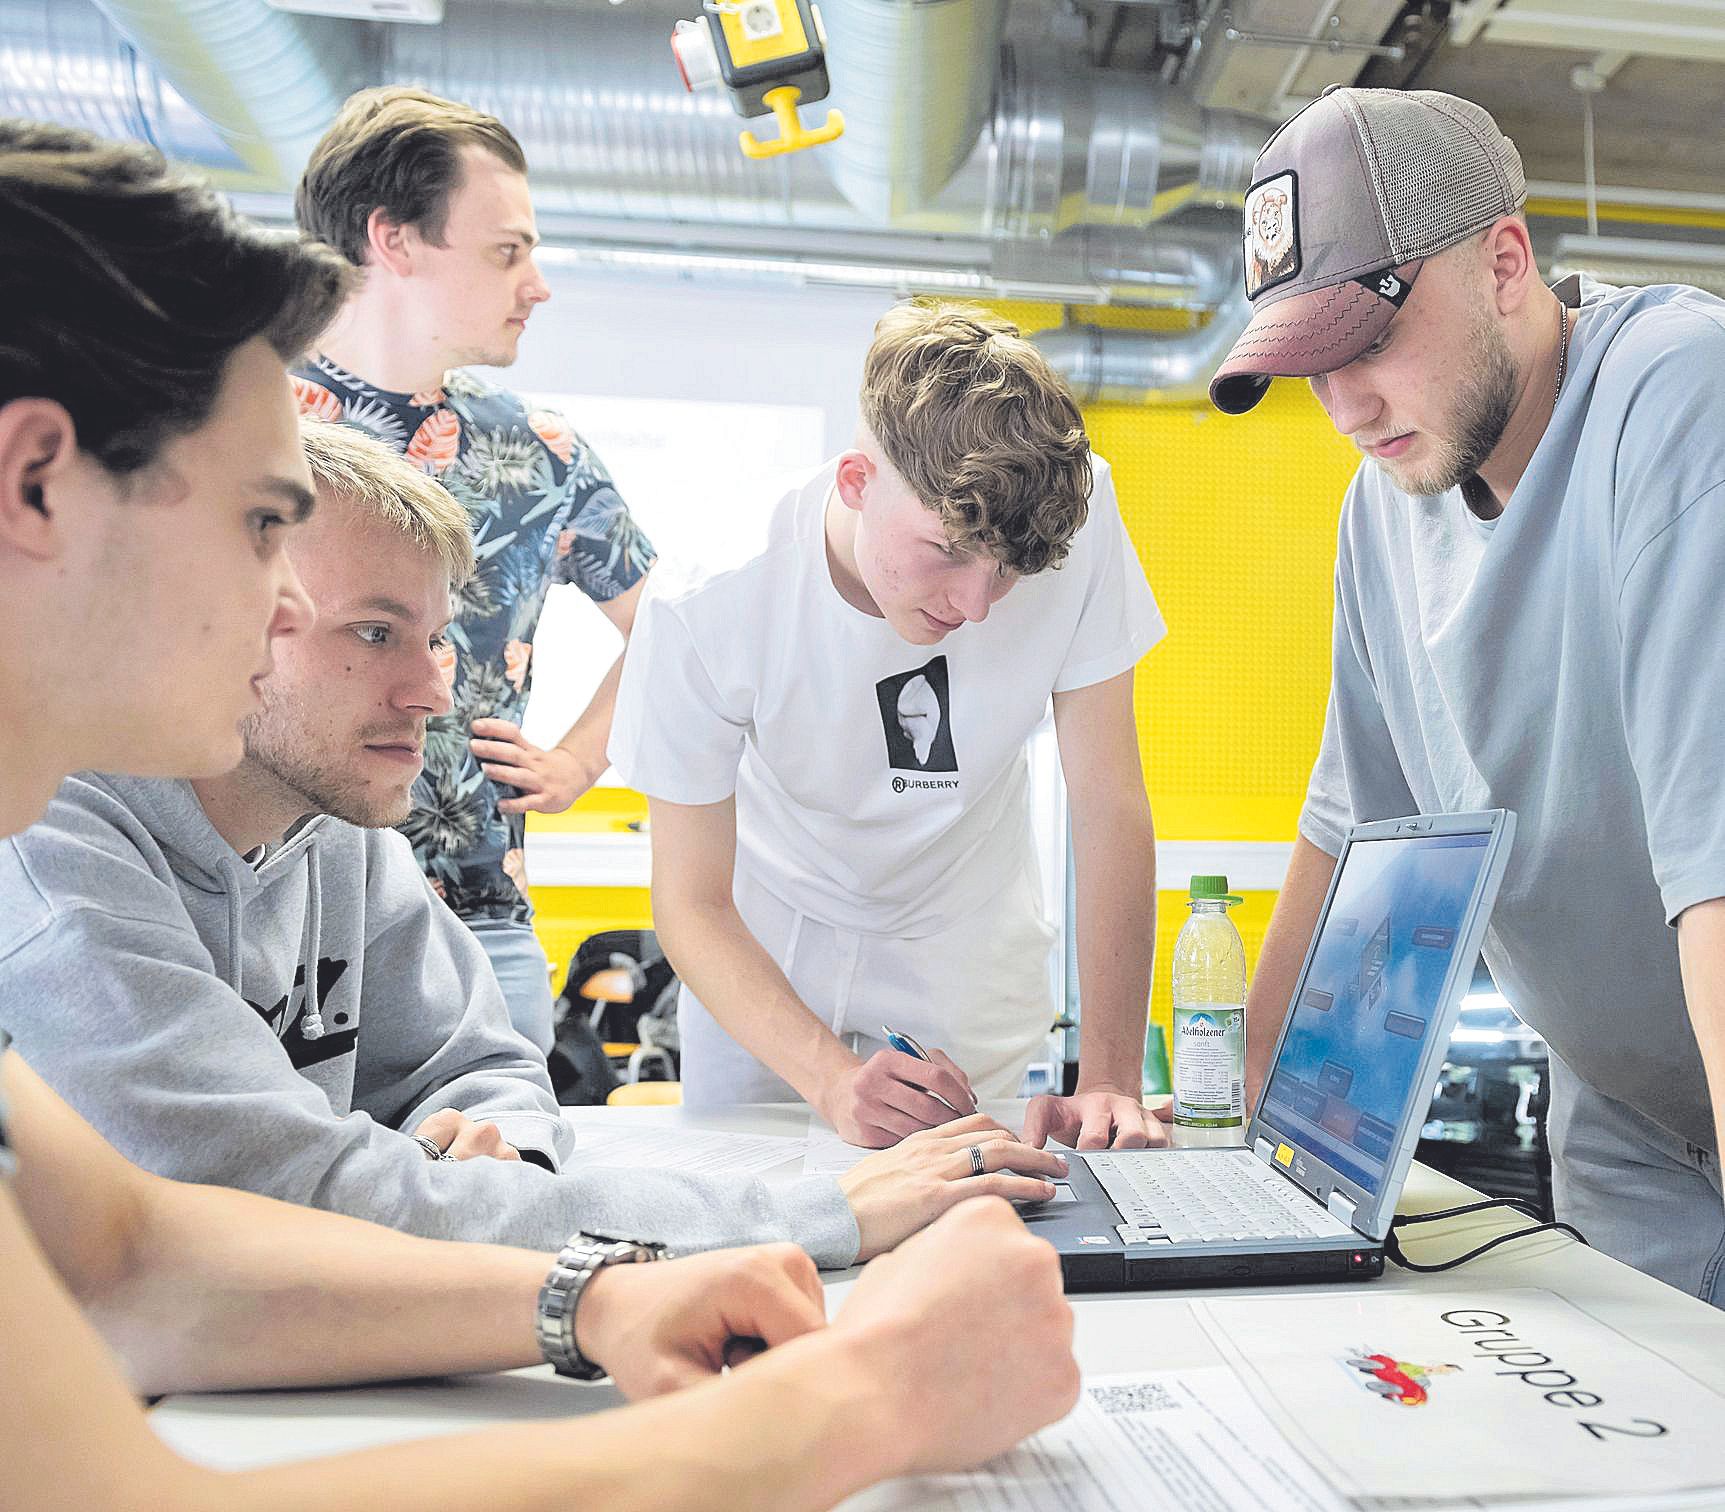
[1692, 30]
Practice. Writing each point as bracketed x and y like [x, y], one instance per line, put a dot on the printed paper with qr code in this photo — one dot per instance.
[1192, 1439]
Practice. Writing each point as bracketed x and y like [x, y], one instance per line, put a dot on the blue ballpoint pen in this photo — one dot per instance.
[905, 1045]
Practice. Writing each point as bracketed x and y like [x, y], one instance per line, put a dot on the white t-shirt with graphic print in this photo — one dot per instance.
[881, 787]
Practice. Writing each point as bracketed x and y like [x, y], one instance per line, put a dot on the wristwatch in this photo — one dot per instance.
[580, 1259]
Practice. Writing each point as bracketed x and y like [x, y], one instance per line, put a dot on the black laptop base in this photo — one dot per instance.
[1080, 1222]
[1130, 1270]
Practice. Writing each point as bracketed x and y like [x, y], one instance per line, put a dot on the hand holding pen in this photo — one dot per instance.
[897, 1091]
[906, 1045]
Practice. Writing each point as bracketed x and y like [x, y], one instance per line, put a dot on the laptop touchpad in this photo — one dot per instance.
[1062, 1193]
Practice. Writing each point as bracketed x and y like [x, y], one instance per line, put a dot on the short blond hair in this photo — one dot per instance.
[383, 484]
[982, 429]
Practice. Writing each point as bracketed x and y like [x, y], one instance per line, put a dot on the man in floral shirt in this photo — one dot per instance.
[430, 198]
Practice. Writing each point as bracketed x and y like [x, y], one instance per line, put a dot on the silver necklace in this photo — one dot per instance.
[1562, 352]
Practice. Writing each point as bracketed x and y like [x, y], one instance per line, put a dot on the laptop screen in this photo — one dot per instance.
[1365, 1015]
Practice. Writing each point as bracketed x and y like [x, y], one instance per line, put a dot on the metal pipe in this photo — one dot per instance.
[66, 63]
[267, 81]
[605, 122]
[1067, 176]
[609, 130]
[1131, 367]
[916, 84]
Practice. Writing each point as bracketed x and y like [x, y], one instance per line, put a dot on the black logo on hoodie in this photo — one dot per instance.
[286, 1018]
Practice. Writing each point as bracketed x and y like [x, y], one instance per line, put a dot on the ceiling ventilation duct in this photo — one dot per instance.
[610, 131]
[1129, 367]
[268, 82]
[67, 63]
[916, 85]
[971, 165]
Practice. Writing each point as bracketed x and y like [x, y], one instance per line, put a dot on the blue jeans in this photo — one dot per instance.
[522, 973]
[1637, 1191]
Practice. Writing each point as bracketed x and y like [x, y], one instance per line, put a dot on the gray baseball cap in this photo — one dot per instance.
[1346, 201]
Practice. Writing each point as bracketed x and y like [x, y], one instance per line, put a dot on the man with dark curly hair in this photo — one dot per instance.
[832, 734]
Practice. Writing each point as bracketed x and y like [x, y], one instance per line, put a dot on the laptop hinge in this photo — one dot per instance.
[1261, 1149]
[1341, 1208]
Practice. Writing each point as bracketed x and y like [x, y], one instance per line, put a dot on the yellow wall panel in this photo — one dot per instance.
[565, 916]
[1235, 521]
[1234, 518]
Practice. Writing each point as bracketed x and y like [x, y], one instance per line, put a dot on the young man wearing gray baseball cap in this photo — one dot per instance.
[1527, 590]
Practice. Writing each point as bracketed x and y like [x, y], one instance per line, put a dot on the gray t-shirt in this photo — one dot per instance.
[1564, 661]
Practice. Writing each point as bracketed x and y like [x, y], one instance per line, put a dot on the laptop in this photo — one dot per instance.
[1310, 1195]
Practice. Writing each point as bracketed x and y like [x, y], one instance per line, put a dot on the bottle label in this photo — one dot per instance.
[1210, 1065]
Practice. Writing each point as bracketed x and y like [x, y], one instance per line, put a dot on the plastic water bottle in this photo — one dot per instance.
[1209, 1021]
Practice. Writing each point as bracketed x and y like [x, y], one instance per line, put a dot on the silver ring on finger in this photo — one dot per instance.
[978, 1163]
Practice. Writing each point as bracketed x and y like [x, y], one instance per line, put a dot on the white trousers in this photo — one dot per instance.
[979, 990]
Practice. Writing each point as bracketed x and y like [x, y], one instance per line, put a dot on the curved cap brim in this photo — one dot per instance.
[1299, 337]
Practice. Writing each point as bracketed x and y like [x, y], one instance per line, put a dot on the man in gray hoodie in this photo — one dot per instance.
[148, 462]
[245, 980]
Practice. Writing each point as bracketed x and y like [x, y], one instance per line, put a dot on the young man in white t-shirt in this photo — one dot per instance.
[831, 733]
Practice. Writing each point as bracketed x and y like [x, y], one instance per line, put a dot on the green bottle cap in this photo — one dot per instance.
[1212, 889]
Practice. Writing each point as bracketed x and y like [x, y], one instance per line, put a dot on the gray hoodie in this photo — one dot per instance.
[272, 1022]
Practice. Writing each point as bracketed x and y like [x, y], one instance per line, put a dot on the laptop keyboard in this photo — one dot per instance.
[1208, 1196]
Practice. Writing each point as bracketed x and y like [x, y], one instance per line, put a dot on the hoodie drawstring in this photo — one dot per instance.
[311, 1021]
[236, 956]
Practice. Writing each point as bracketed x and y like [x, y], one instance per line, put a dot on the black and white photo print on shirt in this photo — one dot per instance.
[916, 716]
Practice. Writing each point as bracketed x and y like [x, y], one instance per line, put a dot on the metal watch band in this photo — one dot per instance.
[580, 1259]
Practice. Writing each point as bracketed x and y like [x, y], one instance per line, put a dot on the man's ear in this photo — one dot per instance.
[855, 473]
[1509, 258]
[38, 452]
[390, 244]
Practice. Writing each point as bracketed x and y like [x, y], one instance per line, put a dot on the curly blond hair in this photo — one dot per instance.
[982, 429]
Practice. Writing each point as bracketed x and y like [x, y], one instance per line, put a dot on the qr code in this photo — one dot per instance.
[1140, 1396]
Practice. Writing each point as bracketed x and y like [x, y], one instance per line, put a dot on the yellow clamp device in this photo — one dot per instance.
[793, 135]
[770, 57]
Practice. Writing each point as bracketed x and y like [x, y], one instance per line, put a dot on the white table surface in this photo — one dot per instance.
[1115, 1332]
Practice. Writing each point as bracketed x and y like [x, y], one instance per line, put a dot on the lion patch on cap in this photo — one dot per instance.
[1272, 233]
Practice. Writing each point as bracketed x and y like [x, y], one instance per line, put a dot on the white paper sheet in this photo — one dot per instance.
[827, 1154]
[1488, 1394]
[1187, 1439]
[1707, 1499]
[685, 1149]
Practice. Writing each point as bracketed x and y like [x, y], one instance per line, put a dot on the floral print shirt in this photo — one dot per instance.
[544, 511]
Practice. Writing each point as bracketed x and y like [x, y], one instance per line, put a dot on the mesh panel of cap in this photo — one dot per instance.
[1440, 167]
